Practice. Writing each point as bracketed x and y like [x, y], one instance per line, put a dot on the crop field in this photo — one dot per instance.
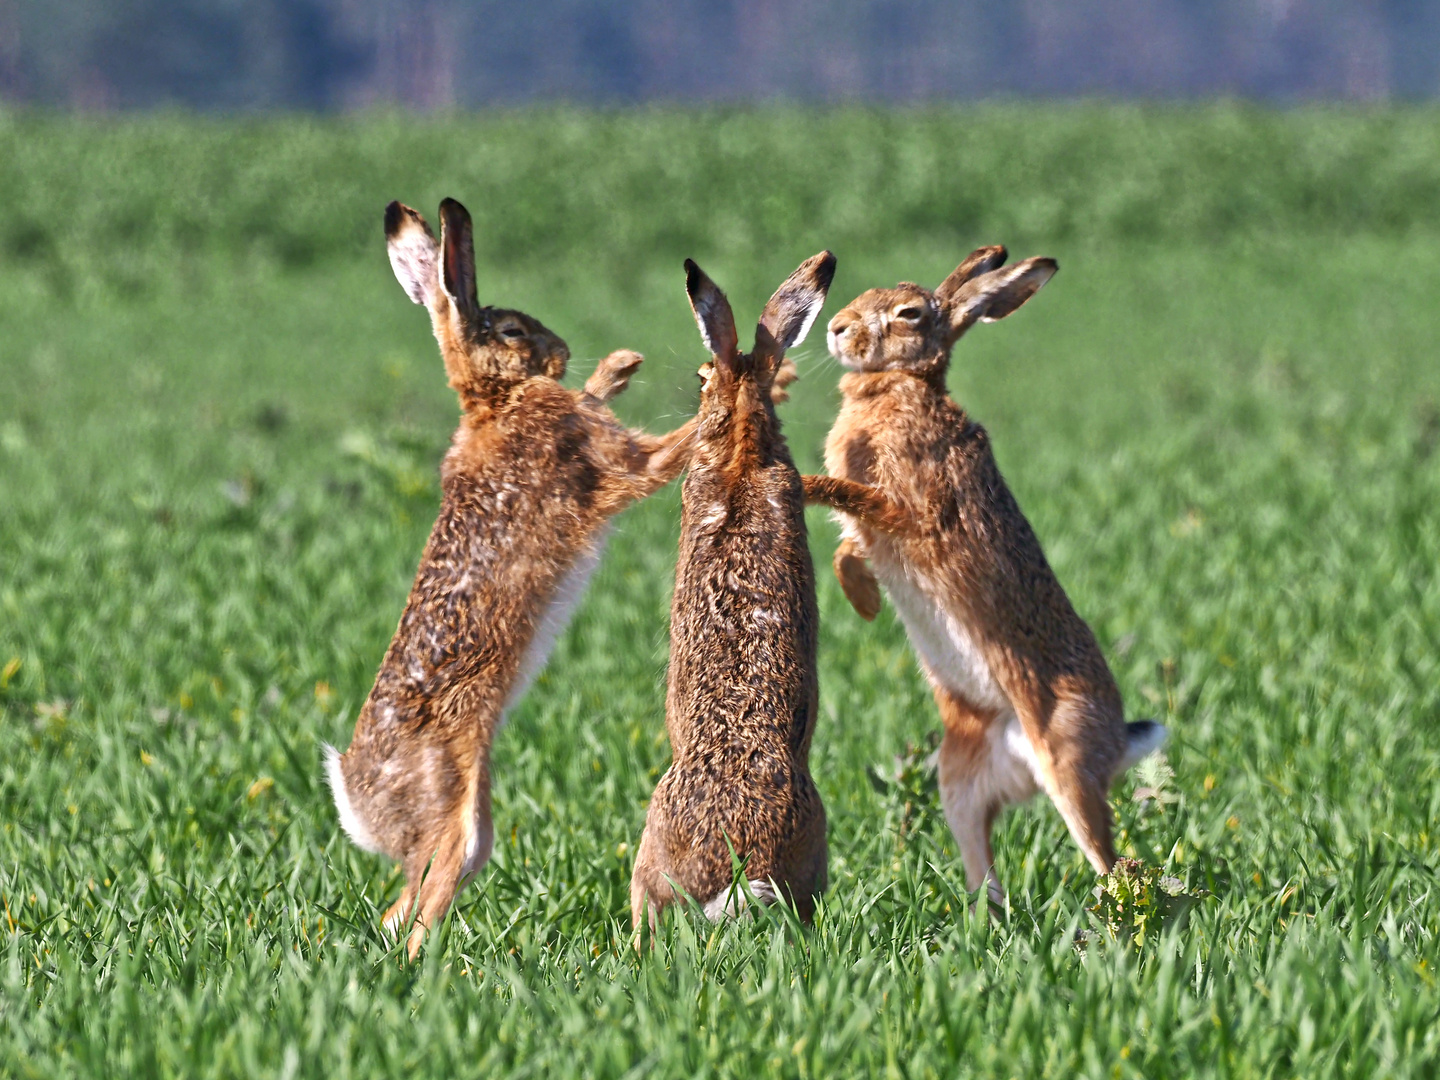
[220, 421]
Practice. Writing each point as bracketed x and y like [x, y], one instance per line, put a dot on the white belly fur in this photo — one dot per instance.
[947, 650]
[568, 594]
[951, 657]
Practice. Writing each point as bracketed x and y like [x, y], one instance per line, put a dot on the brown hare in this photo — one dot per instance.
[1025, 695]
[533, 474]
[740, 707]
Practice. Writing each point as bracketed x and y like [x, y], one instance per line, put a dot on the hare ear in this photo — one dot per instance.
[712, 314]
[980, 261]
[791, 312]
[414, 255]
[457, 241]
[996, 294]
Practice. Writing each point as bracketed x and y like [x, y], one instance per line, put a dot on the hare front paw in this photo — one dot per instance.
[785, 374]
[612, 374]
[858, 581]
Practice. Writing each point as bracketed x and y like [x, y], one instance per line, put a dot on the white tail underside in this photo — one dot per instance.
[350, 821]
[732, 902]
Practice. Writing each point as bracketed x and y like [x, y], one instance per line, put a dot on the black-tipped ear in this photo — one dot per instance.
[414, 255]
[980, 261]
[996, 294]
[791, 312]
[457, 241]
[712, 313]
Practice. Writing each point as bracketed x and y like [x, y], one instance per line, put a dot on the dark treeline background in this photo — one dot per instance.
[328, 54]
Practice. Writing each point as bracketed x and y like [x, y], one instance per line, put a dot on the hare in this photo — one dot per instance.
[1025, 696]
[741, 701]
[533, 474]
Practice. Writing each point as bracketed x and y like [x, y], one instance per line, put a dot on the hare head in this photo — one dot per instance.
[485, 348]
[910, 328]
[736, 388]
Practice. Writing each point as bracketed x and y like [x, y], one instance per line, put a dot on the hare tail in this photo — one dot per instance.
[1144, 738]
[353, 824]
[732, 903]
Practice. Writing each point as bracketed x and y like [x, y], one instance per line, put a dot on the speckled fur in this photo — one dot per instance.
[533, 474]
[1025, 696]
[742, 687]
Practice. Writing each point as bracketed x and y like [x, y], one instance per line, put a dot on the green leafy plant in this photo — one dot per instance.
[1134, 901]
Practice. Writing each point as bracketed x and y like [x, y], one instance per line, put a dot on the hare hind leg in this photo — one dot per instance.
[806, 866]
[982, 770]
[1082, 803]
[437, 891]
[428, 892]
[398, 914]
[1076, 758]
[436, 869]
[650, 888]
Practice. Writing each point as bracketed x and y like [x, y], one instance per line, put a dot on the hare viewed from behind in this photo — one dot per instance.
[533, 474]
[1026, 698]
[740, 707]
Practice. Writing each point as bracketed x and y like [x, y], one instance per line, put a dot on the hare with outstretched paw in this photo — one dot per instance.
[533, 474]
[1026, 698]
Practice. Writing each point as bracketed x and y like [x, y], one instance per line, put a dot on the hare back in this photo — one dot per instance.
[518, 535]
[552, 442]
[481, 593]
[743, 618]
[742, 693]
[521, 528]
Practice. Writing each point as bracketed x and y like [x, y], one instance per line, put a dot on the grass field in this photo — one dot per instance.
[219, 425]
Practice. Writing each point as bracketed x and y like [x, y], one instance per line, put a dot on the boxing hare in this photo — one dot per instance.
[533, 474]
[1025, 695]
[740, 707]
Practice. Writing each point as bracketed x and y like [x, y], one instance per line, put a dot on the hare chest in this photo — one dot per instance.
[946, 647]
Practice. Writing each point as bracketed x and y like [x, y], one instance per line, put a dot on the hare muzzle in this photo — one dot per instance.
[851, 341]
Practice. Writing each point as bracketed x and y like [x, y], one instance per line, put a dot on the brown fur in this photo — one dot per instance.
[968, 568]
[532, 476]
[742, 686]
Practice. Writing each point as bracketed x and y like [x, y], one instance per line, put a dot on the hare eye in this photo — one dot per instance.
[512, 331]
[909, 314]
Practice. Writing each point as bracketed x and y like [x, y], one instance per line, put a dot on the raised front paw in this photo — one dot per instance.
[785, 374]
[612, 374]
[857, 580]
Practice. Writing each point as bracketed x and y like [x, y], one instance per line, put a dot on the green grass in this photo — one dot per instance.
[219, 423]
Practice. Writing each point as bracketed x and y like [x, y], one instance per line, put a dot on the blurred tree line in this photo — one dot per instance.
[327, 54]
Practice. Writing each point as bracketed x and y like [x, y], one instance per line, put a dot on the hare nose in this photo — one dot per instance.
[840, 329]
